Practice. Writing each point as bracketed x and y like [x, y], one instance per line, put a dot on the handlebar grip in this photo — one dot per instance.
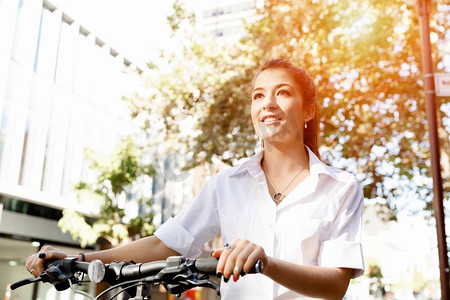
[209, 266]
[257, 268]
[206, 265]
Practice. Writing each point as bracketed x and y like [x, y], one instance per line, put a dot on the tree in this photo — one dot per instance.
[376, 277]
[366, 61]
[364, 57]
[114, 177]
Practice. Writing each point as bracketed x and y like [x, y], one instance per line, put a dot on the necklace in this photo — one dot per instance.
[279, 196]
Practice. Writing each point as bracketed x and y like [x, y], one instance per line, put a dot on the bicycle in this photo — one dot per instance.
[177, 274]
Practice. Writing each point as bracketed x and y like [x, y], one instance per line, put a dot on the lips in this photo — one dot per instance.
[270, 119]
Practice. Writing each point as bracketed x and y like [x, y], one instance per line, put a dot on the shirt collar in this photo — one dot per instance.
[253, 165]
[317, 167]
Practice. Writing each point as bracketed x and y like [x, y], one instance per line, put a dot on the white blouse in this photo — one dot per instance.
[317, 224]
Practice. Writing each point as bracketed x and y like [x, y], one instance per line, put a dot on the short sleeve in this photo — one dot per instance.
[342, 248]
[196, 223]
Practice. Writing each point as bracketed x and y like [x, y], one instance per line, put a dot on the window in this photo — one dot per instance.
[66, 53]
[24, 152]
[3, 125]
[45, 164]
[18, 33]
[46, 52]
[25, 32]
[81, 75]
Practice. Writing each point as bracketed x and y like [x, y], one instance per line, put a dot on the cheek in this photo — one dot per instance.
[296, 114]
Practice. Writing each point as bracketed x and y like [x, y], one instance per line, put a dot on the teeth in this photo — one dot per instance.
[269, 119]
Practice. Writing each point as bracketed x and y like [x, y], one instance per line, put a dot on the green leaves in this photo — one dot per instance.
[365, 59]
[115, 176]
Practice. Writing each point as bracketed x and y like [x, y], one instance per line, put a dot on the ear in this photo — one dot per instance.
[310, 111]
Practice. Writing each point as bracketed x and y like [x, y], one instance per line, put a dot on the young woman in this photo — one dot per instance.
[284, 206]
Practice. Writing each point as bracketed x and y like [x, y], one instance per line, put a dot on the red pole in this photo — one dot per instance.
[430, 98]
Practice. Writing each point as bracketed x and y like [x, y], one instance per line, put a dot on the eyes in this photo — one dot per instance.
[280, 92]
[257, 96]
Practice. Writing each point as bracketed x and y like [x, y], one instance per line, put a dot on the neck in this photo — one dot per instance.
[284, 168]
[285, 159]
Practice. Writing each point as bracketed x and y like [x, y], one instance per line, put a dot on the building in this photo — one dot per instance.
[60, 91]
[225, 19]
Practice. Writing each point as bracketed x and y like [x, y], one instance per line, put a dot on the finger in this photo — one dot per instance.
[34, 273]
[32, 265]
[216, 253]
[38, 265]
[29, 262]
[244, 250]
[241, 260]
[239, 247]
[39, 259]
[51, 255]
[225, 253]
[253, 257]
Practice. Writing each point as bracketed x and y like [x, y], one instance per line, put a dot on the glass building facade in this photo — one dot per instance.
[61, 89]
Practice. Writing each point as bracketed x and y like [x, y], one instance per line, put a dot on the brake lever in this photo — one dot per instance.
[25, 281]
[205, 282]
[188, 280]
[59, 273]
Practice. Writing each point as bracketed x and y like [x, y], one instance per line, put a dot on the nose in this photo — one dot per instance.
[270, 102]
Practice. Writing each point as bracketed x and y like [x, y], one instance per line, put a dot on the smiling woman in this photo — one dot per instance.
[295, 92]
[278, 109]
[306, 234]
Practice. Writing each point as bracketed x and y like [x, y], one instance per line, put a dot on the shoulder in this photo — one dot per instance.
[343, 183]
[249, 166]
[342, 175]
[323, 170]
[334, 181]
[225, 175]
[237, 176]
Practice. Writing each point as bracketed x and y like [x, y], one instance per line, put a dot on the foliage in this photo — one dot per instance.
[114, 179]
[365, 59]
[376, 286]
[375, 272]
[419, 283]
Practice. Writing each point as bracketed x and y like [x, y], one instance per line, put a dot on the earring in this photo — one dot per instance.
[306, 125]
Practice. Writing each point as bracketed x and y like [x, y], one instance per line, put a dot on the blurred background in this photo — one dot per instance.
[114, 113]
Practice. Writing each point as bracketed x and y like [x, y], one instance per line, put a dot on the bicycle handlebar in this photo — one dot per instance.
[176, 273]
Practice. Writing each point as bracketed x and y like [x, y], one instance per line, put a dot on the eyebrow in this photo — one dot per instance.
[276, 87]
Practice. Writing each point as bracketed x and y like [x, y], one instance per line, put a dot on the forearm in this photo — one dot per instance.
[311, 281]
[142, 250]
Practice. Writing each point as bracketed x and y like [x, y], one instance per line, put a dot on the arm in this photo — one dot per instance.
[311, 281]
[142, 250]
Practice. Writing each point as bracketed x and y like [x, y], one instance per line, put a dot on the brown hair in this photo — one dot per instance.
[311, 134]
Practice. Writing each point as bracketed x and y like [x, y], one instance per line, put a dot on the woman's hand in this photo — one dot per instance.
[35, 262]
[238, 258]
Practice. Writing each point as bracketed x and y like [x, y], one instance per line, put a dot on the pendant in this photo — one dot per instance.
[277, 197]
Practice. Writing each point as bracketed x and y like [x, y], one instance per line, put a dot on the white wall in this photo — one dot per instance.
[60, 91]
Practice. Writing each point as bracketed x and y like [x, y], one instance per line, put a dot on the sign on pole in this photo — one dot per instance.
[442, 84]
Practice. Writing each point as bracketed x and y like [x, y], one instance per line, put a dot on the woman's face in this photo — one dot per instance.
[277, 109]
